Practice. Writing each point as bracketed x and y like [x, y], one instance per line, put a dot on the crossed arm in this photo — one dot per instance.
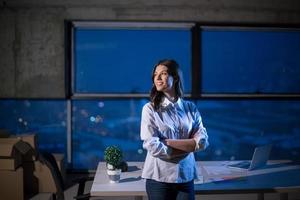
[183, 146]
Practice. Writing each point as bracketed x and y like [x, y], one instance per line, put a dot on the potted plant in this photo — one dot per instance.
[113, 157]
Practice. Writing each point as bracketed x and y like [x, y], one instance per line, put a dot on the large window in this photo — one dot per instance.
[236, 127]
[111, 69]
[249, 60]
[245, 82]
[114, 60]
[46, 118]
[117, 58]
[103, 122]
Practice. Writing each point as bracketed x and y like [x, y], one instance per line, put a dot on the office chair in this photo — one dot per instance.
[49, 160]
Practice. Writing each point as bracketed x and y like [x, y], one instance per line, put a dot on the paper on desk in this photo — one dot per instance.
[217, 170]
[218, 173]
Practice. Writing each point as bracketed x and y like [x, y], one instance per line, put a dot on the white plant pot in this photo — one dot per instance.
[114, 175]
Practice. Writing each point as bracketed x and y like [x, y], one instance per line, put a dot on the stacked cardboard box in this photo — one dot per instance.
[11, 184]
[11, 172]
[10, 157]
[21, 168]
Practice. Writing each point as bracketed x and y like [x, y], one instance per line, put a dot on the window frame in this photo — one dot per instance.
[241, 27]
[196, 93]
[118, 26]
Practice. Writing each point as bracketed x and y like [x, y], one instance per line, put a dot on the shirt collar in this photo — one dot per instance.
[167, 103]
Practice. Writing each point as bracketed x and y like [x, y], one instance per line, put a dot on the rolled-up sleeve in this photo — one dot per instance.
[199, 133]
[150, 135]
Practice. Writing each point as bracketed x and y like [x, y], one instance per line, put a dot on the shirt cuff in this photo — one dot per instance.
[200, 143]
[196, 144]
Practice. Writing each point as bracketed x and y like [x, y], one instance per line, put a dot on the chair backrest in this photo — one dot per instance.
[49, 160]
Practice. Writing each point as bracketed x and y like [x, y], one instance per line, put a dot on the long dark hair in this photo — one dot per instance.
[173, 70]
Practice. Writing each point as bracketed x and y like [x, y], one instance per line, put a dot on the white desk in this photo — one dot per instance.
[131, 183]
[217, 178]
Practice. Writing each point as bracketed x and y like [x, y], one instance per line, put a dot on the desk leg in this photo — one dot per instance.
[284, 196]
[260, 196]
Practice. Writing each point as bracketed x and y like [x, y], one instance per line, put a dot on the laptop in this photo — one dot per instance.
[259, 159]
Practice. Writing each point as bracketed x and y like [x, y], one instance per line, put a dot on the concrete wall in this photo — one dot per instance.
[32, 61]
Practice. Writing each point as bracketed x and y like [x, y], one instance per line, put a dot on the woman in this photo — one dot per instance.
[171, 130]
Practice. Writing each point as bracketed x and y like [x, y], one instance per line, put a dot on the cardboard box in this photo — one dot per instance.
[11, 184]
[10, 157]
[45, 179]
[7, 147]
[46, 182]
[27, 148]
[8, 163]
[36, 177]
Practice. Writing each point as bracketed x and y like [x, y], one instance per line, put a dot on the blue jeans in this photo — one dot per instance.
[170, 191]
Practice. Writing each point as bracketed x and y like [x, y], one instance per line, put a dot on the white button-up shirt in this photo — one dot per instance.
[179, 120]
